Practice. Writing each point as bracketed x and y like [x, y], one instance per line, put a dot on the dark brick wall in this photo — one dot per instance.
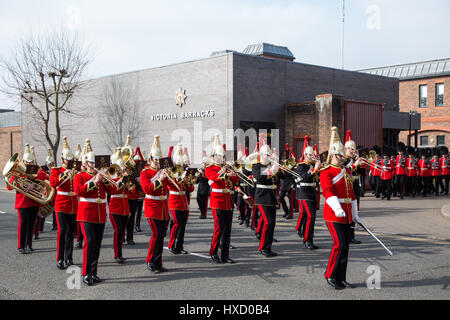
[10, 143]
[263, 87]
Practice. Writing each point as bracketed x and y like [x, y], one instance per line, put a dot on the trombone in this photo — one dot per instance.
[369, 160]
[113, 169]
[285, 167]
[236, 167]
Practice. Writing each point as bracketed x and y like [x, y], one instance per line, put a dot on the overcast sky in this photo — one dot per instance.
[132, 35]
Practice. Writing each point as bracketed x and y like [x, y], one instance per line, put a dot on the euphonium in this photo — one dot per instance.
[41, 193]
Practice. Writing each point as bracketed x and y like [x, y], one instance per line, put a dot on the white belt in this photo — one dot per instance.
[410, 168]
[119, 196]
[181, 193]
[266, 186]
[307, 184]
[220, 190]
[345, 200]
[155, 197]
[97, 200]
[64, 193]
[423, 168]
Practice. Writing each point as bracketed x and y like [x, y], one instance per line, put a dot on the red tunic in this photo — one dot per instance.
[375, 171]
[336, 181]
[220, 187]
[400, 165]
[66, 200]
[133, 193]
[434, 168]
[23, 201]
[92, 202]
[177, 195]
[387, 173]
[155, 204]
[424, 168]
[118, 204]
[444, 165]
[411, 167]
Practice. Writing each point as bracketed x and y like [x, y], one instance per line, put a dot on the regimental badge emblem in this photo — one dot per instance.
[180, 97]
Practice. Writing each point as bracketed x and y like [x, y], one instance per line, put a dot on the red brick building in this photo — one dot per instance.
[10, 135]
[423, 89]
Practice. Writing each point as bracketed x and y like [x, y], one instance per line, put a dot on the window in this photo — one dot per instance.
[439, 94]
[423, 93]
[440, 140]
[424, 140]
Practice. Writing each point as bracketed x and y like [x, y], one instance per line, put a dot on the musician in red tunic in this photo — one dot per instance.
[90, 187]
[444, 165]
[221, 180]
[26, 207]
[154, 183]
[66, 205]
[340, 209]
[179, 186]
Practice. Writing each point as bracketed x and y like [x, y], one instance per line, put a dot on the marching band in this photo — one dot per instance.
[87, 187]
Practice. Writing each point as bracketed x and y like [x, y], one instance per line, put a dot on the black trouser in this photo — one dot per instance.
[177, 232]
[386, 187]
[309, 208]
[64, 236]
[337, 263]
[437, 183]
[133, 205]
[444, 185]
[38, 225]
[79, 233]
[255, 217]
[301, 222]
[362, 179]
[268, 214]
[140, 204]
[155, 249]
[410, 186]
[202, 201]
[93, 236]
[400, 184]
[119, 223]
[425, 185]
[377, 186]
[288, 212]
[244, 210]
[27, 218]
[222, 232]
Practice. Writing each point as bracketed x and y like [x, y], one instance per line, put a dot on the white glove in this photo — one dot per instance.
[334, 204]
[355, 211]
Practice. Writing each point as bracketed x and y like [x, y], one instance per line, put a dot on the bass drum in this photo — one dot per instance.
[46, 209]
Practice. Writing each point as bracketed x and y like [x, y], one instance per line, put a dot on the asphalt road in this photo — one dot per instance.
[418, 269]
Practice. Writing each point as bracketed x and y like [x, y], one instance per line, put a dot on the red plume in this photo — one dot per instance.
[224, 147]
[348, 136]
[246, 151]
[286, 148]
[138, 152]
[170, 151]
[305, 145]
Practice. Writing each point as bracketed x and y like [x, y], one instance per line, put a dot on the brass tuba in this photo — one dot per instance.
[41, 193]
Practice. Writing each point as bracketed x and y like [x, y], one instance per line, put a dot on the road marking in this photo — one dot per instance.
[2, 212]
[194, 254]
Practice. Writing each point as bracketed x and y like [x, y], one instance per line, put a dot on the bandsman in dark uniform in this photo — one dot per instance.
[203, 188]
[266, 176]
[306, 192]
[352, 163]
[287, 188]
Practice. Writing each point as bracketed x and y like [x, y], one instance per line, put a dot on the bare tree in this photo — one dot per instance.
[45, 72]
[120, 114]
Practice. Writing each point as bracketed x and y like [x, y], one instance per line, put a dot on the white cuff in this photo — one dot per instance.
[334, 204]
[355, 214]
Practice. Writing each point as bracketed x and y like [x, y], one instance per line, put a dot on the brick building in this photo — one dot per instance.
[423, 89]
[238, 91]
[10, 135]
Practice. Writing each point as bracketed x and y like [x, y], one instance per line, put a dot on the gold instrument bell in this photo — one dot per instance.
[42, 192]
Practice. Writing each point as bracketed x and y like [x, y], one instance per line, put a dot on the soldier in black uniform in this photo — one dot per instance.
[306, 193]
[202, 193]
[287, 189]
[266, 176]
